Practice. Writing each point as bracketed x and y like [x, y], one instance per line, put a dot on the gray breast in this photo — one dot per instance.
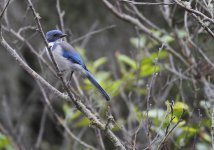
[63, 63]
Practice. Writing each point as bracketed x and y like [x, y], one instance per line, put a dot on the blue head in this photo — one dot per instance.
[54, 35]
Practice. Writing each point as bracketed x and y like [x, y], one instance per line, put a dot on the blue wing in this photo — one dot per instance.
[69, 53]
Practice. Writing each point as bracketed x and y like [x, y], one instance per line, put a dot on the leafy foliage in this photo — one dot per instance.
[170, 121]
[5, 143]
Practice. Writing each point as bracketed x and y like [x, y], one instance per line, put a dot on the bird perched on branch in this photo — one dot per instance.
[68, 59]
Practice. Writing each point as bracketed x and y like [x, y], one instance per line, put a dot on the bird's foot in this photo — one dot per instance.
[71, 76]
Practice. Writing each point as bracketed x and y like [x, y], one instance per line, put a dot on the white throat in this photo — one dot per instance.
[52, 43]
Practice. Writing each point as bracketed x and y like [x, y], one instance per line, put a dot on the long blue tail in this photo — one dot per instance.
[99, 88]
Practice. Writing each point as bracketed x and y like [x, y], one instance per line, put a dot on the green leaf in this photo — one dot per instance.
[75, 115]
[83, 122]
[179, 107]
[182, 34]
[138, 42]
[147, 70]
[66, 108]
[206, 137]
[206, 122]
[116, 127]
[70, 113]
[190, 130]
[114, 88]
[167, 38]
[127, 60]
[162, 54]
[156, 33]
[4, 142]
[149, 60]
[99, 62]
[184, 134]
[102, 76]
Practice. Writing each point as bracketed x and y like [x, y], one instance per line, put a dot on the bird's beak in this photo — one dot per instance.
[64, 35]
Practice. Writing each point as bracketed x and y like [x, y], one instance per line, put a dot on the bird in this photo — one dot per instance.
[68, 59]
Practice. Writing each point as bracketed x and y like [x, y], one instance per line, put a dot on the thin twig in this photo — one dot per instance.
[92, 33]
[5, 7]
[99, 136]
[149, 94]
[21, 38]
[212, 127]
[168, 132]
[196, 12]
[204, 25]
[61, 15]
[146, 3]
[41, 130]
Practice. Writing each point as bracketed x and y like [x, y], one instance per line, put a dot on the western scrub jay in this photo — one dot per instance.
[68, 59]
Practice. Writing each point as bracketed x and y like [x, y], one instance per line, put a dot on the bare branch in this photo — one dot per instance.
[61, 15]
[146, 3]
[80, 106]
[95, 121]
[92, 33]
[196, 12]
[2, 13]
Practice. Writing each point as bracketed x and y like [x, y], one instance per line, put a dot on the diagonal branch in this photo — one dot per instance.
[22, 39]
[78, 104]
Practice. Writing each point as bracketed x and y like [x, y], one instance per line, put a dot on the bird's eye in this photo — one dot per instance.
[55, 35]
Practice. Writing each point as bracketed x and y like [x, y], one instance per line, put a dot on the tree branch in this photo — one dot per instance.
[78, 104]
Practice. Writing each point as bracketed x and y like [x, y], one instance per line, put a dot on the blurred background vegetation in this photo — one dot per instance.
[150, 101]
